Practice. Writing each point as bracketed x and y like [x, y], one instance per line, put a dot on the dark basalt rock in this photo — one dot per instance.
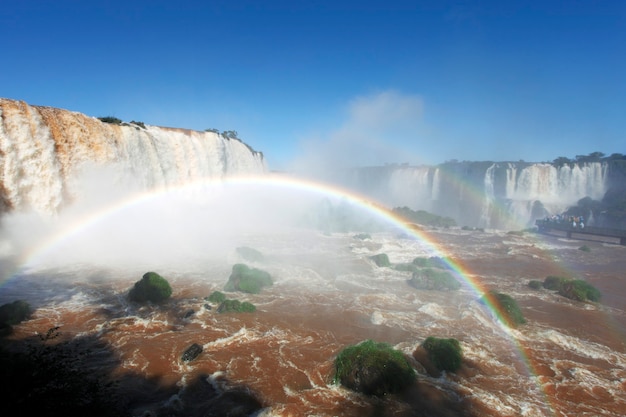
[191, 353]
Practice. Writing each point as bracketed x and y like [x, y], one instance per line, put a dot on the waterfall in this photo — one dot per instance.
[486, 194]
[412, 186]
[489, 193]
[44, 151]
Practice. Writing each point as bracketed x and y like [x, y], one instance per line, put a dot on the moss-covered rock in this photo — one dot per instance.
[445, 354]
[433, 279]
[152, 287]
[250, 254]
[15, 312]
[12, 314]
[381, 260]
[579, 290]
[431, 262]
[373, 369]
[236, 306]
[553, 282]
[216, 297]
[246, 279]
[535, 284]
[406, 267]
[574, 289]
[506, 307]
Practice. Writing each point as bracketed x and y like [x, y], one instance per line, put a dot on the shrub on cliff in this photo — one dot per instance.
[152, 287]
[246, 279]
[506, 307]
[535, 284]
[433, 279]
[445, 354]
[110, 119]
[373, 369]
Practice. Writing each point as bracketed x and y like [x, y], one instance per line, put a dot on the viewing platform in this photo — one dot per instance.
[582, 233]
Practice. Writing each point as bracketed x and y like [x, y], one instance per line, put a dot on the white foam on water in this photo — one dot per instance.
[585, 348]
[434, 311]
[377, 318]
[242, 335]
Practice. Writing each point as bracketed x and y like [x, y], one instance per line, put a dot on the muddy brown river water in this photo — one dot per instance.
[569, 359]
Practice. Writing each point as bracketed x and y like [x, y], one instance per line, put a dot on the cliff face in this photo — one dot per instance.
[43, 150]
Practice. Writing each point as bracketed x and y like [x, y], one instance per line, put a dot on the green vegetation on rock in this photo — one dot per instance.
[445, 354]
[12, 314]
[432, 262]
[111, 120]
[506, 307]
[381, 260]
[535, 284]
[424, 217]
[216, 297]
[553, 282]
[433, 279]
[373, 369]
[579, 290]
[574, 289]
[236, 306]
[152, 287]
[15, 312]
[406, 267]
[585, 248]
[246, 279]
[250, 254]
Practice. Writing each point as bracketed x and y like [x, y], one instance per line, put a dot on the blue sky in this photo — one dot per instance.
[355, 83]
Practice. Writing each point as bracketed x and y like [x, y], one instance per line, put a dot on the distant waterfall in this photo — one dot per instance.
[43, 150]
[487, 194]
[485, 218]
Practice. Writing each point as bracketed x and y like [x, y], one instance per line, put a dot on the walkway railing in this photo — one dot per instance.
[546, 225]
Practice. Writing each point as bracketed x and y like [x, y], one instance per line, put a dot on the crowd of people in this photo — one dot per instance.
[574, 221]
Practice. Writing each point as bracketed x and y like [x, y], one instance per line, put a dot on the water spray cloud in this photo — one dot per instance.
[158, 208]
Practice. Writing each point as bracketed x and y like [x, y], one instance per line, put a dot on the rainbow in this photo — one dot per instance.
[289, 182]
